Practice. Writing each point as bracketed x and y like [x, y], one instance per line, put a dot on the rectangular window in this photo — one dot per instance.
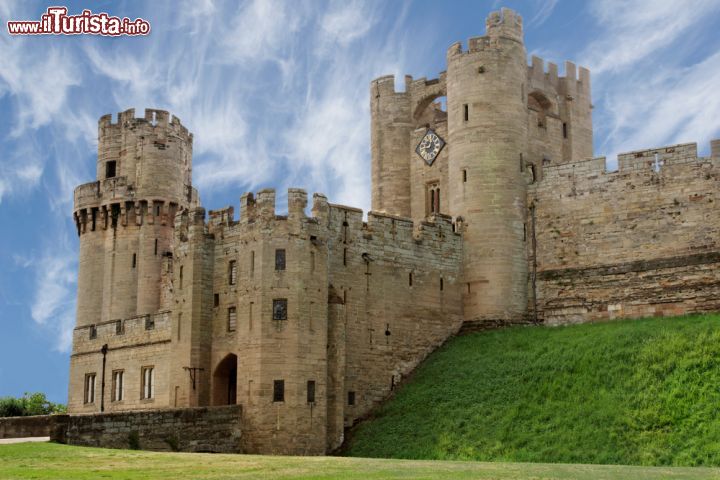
[119, 328]
[279, 391]
[134, 260]
[250, 315]
[110, 169]
[157, 210]
[464, 176]
[311, 391]
[280, 259]
[232, 272]
[117, 385]
[442, 284]
[351, 398]
[410, 279]
[280, 309]
[93, 332]
[216, 300]
[179, 329]
[93, 214]
[345, 257]
[156, 245]
[522, 163]
[114, 214]
[252, 263]
[148, 383]
[467, 111]
[232, 319]
[565, 130]
[149, 323]
[181, 277]
[89, 388]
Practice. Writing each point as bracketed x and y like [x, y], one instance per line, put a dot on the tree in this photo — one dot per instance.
[29, 404]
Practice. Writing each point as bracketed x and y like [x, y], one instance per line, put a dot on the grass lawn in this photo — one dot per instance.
[57, 462]
[637, 392]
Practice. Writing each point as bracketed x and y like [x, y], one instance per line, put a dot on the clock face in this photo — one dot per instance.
[430, 146]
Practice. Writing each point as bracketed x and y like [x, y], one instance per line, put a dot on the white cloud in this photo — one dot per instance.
[635, 29]
[259, 29]
[547, 7]
[37, 79]
[345, 22]
[53, 303]
[20, 169]
[648, 94]
[675, 106]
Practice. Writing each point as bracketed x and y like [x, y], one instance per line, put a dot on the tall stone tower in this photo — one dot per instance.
[125, 219]
[487, 126]
[505, 121]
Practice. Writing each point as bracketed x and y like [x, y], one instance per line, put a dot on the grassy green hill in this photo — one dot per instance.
[640, 392]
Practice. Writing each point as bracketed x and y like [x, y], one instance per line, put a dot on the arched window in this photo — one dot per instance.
[539, 103]
[433, 198]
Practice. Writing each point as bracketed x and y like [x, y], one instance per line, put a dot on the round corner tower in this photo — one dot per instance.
[487, 129]
[125, 218]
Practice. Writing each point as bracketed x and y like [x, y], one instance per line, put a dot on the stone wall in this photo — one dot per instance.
[640, 241]
[133, 343]
[34, 426]
[366, 302]
[208, 429]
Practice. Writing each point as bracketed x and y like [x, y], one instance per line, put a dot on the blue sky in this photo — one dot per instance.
[276, 93]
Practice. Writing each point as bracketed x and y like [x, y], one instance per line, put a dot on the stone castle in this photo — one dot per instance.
[492, 211]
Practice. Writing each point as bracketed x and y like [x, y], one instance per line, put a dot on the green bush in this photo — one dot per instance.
[11, 407]
[29, 404]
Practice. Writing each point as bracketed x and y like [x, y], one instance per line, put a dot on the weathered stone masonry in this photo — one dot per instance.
[640, 241]
[310, 320]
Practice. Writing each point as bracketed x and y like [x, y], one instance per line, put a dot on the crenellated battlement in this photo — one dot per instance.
[258, 213]
[576, 79]
[385, 86]
[159, 122]
[647, 162]
[505, 23]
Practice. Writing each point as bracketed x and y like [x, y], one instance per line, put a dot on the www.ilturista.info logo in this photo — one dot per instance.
[57, 22]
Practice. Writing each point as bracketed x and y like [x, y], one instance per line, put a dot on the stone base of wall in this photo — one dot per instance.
[471, 326]
[52, 426]
[205, 429]
[663, 287]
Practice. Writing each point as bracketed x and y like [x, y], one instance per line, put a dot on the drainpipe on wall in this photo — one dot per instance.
[534, 267]
[104, 351]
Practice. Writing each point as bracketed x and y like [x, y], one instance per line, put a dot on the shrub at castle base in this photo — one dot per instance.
[639, 392]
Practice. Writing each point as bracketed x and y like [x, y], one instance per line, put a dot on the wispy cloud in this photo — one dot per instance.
[649, 94]
[544, 12]
[36, 79]
[686, 110]
[20, 169]
[634, 29]
[53, 303]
